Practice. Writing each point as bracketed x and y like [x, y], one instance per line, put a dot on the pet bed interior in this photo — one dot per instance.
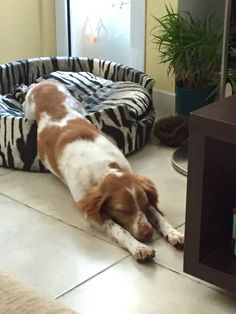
[118, 101]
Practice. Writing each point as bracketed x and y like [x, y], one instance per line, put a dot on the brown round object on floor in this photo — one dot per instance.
[172, 131]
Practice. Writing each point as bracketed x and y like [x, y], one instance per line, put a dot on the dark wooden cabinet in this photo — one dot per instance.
[211, 194]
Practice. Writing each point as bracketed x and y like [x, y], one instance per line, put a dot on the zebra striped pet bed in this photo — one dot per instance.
[118, 101]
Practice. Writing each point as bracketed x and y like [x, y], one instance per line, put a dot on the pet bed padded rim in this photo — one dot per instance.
[17, 135]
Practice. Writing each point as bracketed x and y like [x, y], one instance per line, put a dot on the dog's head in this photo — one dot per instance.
[125, 198]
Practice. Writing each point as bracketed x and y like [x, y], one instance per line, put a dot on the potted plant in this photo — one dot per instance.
[192, 50]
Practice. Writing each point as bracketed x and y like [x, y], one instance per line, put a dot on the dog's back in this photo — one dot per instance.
[68, 144]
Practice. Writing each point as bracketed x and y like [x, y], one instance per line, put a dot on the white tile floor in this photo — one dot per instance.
[44, 241]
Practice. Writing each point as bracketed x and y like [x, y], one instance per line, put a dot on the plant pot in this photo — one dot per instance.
[188, 100]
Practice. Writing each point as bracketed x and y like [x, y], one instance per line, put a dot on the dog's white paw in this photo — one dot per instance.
[176, 239]
[143, 253]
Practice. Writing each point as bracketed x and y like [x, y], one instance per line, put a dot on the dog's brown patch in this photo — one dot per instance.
[53, 139]
[48, 98]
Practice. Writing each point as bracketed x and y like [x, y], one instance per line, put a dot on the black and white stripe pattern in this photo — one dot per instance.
[129, 127]
[80, 84]
[97, 93]
[10, 107]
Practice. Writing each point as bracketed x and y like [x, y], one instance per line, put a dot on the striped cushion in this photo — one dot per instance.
[9, 106]
[80, 84]
[97, 93]
[18, 136]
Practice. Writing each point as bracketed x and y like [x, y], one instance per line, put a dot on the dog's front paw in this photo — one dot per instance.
[144, 254]
[176, 239]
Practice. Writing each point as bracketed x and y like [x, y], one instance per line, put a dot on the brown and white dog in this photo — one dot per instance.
[99, 177]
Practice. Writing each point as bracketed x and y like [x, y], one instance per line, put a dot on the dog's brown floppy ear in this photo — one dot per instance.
[151, 192]
[91, 205]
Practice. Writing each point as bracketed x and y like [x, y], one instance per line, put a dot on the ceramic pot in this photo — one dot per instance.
[188, 100]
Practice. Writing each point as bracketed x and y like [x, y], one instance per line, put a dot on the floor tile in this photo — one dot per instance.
[50, 255]
[132, 288]
[44, 192]
[47, 194]
[155, 162]
[172, 258]
[168, 255]
[4, 171]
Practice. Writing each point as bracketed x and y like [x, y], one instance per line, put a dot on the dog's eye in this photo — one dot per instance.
[123, 210]
[143, 203]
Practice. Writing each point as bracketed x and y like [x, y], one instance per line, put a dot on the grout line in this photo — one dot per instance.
[160, 236]
[179, 226]
[61, 221]
[92, 277]
[78, 228]
[192, 278]
[6, 173]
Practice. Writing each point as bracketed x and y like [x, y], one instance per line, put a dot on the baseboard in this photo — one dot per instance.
[164, 102]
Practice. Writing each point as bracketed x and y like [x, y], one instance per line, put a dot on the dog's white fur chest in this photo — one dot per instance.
[83, 162]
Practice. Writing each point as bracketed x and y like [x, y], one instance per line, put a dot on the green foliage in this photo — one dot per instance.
[191, 48]
[232, 79]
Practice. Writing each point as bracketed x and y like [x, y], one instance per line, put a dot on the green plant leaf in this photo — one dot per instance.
[190, 47]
